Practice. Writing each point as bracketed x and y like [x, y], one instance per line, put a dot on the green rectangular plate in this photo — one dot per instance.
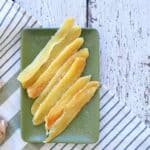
[85, 127]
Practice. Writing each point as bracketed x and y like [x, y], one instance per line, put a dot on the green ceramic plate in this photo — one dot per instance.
[85, 127]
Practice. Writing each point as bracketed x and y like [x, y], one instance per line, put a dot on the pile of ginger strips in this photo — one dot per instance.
[53, 80]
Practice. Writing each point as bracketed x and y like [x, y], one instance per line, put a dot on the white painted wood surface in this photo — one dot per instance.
[124, 29]
[51, 13]
[125, 49]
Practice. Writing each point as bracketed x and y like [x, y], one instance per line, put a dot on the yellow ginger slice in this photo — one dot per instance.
[71, 76]
[42, 81]
[43, 56]
[75, 88]
[72, 35]
[67, 114]
[58, 76]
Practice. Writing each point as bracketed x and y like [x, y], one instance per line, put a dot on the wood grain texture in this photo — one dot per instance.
[51, 13]
[125, 49]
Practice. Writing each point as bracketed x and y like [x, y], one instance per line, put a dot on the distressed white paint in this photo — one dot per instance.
[125, 49]
[51, 13]
[124, 29]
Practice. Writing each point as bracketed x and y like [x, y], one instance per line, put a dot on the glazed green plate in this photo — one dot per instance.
[85, 127]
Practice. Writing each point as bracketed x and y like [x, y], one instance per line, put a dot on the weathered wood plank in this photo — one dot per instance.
[125, 49]
[52, 13]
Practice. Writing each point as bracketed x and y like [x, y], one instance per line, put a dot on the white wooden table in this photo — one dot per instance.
[124, 29]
